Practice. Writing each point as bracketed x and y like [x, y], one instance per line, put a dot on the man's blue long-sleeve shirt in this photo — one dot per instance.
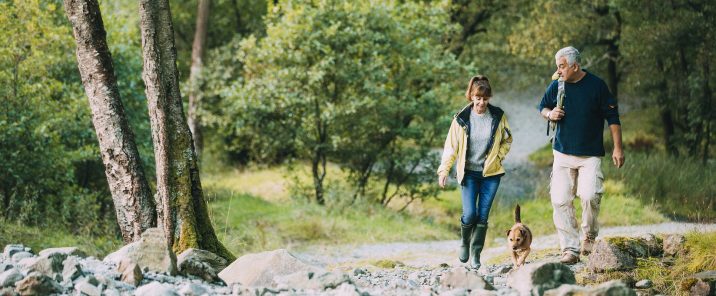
[587, 104]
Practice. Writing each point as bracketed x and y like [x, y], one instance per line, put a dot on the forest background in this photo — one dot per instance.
[322, 121]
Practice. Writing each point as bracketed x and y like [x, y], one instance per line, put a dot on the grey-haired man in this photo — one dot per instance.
[578, 147]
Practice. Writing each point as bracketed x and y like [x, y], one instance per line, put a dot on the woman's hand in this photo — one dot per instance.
[442, 180]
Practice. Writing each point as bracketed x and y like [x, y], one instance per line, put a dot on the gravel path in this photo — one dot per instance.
[432, 254]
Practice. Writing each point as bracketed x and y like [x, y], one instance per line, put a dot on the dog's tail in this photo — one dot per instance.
[517, 214]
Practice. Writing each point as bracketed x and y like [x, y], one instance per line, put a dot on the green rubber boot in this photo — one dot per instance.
[465, 232]
[477, 241]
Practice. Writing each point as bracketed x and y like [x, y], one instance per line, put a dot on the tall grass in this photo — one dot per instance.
[682, 188]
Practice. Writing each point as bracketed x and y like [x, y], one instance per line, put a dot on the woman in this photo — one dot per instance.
[479, 138]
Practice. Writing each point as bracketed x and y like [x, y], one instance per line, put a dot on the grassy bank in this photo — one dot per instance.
[670, 277]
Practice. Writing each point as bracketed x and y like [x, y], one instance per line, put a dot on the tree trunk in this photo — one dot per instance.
[132, 198]
[709, 114]
[183, 213]
[197, 56]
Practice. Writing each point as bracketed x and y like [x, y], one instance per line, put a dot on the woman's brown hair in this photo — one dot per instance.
[480, 86]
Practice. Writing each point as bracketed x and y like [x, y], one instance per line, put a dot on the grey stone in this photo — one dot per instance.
[88, 287]
[11, 249]
[483, 292]
[460, 277]
[643, 284]
[360, 271]
[17, 256]
[608, 256]
[536, 278]
[150, 252]
[674, 244]
[260, 269]
[312, 281]
[5, 266]
[567, 290]
[131, 273]
[612, 288]
[156, 289]
[8, 291]
[37, 284]
[68, 251]
[9, 277]
[455, 292]
[200, 263]
[192, 290]
[51, 265]
[345, 289]
[71, 269]
[111, 292]
[654, 244]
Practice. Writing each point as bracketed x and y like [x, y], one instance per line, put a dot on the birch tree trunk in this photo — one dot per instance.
[181, 208]
[197, 56]
[131, 195]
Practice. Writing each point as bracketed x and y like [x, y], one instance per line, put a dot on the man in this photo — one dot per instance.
[578, 147]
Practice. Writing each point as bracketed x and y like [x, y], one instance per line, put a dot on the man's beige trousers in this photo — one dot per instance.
[583, 176]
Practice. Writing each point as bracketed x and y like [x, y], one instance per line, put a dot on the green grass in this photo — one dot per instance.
[668, 278]
[40, 238]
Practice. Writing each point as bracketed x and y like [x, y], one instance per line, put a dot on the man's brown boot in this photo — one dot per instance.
[569, 258]
[587, 246]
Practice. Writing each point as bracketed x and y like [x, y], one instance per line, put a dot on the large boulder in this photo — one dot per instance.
[200, 263]
[131, 273]
[620, 253]
[260, 269]
[535, 278]
[461, 277]
[11, 249]
[51, 265]
[151, 252]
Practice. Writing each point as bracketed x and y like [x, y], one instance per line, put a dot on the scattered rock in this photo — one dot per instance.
[51, 265]
[200, 263]
[360, 271]
[9, 277]
[37, 284]
[643, 284]
[11, 250]
[615, 288]
[67, 251]
[156, 289]
[17, 256]
[309, 280]
[674, 244]
[131, 273]
[461, 277]
[71, 270]
[616, 253]
[150, 252]
[192, 290]
[88, 286]
[260, 269]
[536, 278]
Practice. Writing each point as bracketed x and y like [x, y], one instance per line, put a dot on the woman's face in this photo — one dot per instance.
[480, 103]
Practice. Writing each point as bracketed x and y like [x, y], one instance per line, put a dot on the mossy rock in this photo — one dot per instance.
[620, 253]
[387, 263]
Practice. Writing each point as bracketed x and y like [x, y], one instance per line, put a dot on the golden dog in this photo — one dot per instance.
[519, 239]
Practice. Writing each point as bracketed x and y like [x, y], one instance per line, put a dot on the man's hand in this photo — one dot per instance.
[617, 153]
[618, 158]
[556, 114]
[442, 180]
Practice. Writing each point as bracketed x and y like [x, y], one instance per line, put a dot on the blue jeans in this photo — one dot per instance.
[478, 192]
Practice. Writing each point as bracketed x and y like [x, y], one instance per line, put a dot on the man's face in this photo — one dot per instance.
[564, 70]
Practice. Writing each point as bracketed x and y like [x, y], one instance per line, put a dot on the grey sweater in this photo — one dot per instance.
[478, 139]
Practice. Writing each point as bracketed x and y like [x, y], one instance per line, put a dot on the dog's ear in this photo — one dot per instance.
[508, 232]
[522, 232]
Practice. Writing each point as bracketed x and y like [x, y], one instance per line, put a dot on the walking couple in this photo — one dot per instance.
[578, 103]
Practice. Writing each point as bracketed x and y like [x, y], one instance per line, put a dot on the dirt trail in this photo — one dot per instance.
[434, 253]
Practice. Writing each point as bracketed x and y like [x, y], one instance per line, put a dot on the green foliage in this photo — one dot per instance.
[359, 84]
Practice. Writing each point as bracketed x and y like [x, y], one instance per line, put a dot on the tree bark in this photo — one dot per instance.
[183, 213]
[132, 198]
[197, 56]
